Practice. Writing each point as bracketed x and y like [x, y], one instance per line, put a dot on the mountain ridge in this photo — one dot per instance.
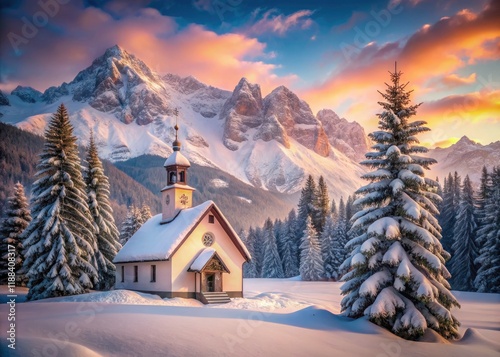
[272, 143]
[466, 157]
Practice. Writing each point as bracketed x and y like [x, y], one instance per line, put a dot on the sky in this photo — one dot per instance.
[333, 54]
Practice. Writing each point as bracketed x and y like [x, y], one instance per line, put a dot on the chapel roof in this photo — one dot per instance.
[157, 241]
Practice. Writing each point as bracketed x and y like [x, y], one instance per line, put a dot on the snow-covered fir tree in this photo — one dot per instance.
[249, 269]
[488, 274]
[277, 231]
[334, 209]
[349, 209]
[107, 235]
[398, 274]
[321, 205]
[131, 224]
[271, 266]
[311, 261]
[59, 242]
[144, 214]
[289, 246]
[341, 238]
[463, 269]
[327, 238]
[448, 215]
[306, 203]
[14, 221]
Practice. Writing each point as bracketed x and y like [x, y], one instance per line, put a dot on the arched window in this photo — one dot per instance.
[181, 176]
[172, 177]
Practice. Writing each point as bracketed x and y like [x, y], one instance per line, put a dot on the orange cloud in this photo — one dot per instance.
[432, 54]
[218, 60]
[471, 107]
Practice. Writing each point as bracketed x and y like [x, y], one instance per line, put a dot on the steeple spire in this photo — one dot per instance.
[176, 145]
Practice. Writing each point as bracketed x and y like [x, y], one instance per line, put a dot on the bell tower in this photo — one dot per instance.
[177, 195]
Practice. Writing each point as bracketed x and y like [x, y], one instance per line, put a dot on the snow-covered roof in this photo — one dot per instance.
[178, 185]
[156, 241]
[203, 258]
[176, 159]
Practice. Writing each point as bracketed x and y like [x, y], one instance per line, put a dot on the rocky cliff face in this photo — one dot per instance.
[281, 115]
[204, 99]
[347, 137]
[118, 83]
[296, 117]
[241, 112]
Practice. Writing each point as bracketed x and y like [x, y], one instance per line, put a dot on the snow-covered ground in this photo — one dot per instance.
[277, 317]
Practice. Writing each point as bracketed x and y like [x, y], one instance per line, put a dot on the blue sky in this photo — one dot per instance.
[333, 54]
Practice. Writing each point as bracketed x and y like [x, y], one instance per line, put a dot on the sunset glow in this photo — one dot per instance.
[333, 56]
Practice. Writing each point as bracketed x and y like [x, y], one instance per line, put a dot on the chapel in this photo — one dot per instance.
[186, 251]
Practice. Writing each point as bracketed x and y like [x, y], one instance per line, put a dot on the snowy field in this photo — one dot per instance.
[277, 317]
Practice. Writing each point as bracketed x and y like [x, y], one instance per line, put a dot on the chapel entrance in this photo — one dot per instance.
[212, 282]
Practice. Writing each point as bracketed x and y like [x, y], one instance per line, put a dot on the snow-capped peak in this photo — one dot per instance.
[27, 94]
[272, 142]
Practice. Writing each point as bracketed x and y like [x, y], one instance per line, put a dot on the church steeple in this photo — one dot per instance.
[177, 194]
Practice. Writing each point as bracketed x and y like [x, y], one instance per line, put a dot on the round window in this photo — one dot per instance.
[208, 239]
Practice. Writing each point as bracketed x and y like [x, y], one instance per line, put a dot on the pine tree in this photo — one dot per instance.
[321, 203]
[249, 269]
[306, 203]
[277, 231]
[107, 234]
[448, 214]
[259, 250]
[334, 209]
[349, 210]
[131, 224]
[341, 236]
[311, 261]
[488, 274]
[271, 266]
[15, 220]
[327, 238]
[463, 269]
[289, 248]
[144, 215]
[482, 201]
[59, 242]
[398, 276]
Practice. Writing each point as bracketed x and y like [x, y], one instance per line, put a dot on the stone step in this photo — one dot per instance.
[215, 298]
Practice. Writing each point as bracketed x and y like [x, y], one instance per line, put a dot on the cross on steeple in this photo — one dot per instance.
[176, 145]
[177, 195]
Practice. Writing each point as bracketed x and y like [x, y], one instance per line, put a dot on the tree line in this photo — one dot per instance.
[470, 222]
[310, 243]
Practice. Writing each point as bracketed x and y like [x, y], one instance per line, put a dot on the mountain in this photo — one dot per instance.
[347, 137]
[27, 94]
[272, 143]
[465, 157]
